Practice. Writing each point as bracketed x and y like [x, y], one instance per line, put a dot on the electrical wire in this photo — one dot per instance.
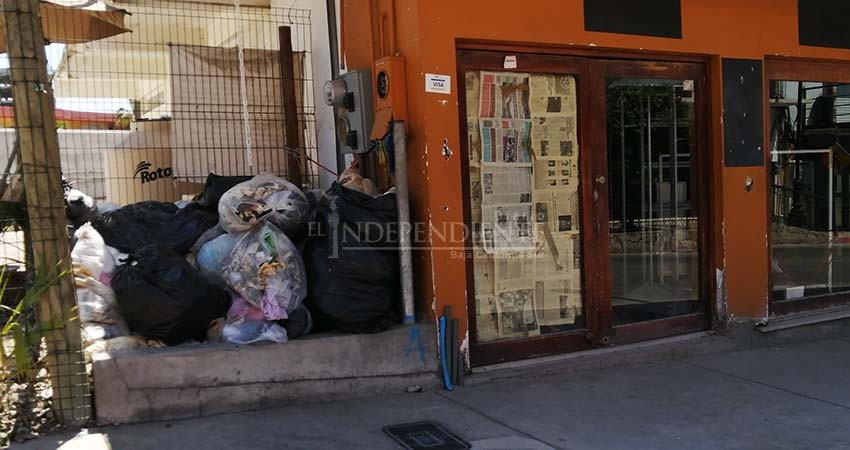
[298, 152]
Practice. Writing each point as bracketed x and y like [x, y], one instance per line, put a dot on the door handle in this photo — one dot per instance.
[600, 179]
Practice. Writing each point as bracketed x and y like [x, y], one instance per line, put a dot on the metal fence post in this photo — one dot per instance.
[41, 169]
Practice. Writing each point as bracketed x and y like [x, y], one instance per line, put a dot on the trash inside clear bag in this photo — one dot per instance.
[212, 256]
[266, 269]
[246, 325]
[264, 198]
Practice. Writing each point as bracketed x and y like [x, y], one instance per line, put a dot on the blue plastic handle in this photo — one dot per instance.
[443, 360]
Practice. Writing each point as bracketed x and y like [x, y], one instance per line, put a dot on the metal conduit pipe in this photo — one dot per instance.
[403, 204]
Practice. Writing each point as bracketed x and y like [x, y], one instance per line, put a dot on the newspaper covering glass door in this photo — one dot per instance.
[524, 204]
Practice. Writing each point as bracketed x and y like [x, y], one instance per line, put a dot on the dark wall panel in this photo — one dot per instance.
[662, 18]
[825, 23]
[743, 112]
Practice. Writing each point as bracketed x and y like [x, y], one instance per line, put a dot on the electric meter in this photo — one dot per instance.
[351, 97]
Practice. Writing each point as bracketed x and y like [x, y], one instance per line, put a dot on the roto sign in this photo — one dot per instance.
[144, 172]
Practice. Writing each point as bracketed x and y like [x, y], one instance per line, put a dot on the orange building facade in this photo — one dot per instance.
[737, 197]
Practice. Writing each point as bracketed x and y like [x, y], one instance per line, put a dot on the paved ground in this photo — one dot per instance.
[791, 397]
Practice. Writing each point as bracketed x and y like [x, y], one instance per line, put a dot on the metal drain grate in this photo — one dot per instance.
[425, 436]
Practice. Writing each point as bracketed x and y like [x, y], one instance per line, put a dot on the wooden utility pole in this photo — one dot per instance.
[296, 165]
[35, 127]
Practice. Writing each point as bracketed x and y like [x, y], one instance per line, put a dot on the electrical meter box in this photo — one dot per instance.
[391, 90]
[351, 96]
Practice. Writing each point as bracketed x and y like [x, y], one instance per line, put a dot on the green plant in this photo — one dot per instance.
[24, 337]
[123, 119]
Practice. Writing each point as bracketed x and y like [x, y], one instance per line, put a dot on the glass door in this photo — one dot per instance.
[584, 201]
[655, 197]
[524, 172]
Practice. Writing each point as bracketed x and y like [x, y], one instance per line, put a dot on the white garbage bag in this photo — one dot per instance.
[91, 254]
[97, 307]
[94, 265]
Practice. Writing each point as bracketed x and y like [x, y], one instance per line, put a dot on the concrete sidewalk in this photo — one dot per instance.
[790, 397]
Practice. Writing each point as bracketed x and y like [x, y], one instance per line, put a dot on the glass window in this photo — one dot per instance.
[810, 176]
[524, 204]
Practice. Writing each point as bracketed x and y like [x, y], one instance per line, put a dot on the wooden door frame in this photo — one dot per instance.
[536, 58]
[653, 329]
[483, 353]
[795, 69]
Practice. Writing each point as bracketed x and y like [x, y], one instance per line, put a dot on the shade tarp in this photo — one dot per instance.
[76, 21]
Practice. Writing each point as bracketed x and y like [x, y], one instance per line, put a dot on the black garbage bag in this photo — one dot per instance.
[161, 296]
[352, 263]
[214, 187]
[134, 226]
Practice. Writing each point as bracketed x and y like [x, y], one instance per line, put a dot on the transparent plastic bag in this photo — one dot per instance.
[212, 256]
[264, 198]
[93, 333]
[265, 268]
[246, 325]
[248, 332]
[96, 305]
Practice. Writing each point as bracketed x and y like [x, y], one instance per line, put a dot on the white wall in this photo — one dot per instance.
[81, 153]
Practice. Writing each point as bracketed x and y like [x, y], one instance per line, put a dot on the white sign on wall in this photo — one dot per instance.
[438, 84]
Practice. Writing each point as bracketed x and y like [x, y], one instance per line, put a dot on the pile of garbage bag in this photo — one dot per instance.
[235, 264]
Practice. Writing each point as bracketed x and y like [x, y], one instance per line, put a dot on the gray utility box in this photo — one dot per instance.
[351, 96]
